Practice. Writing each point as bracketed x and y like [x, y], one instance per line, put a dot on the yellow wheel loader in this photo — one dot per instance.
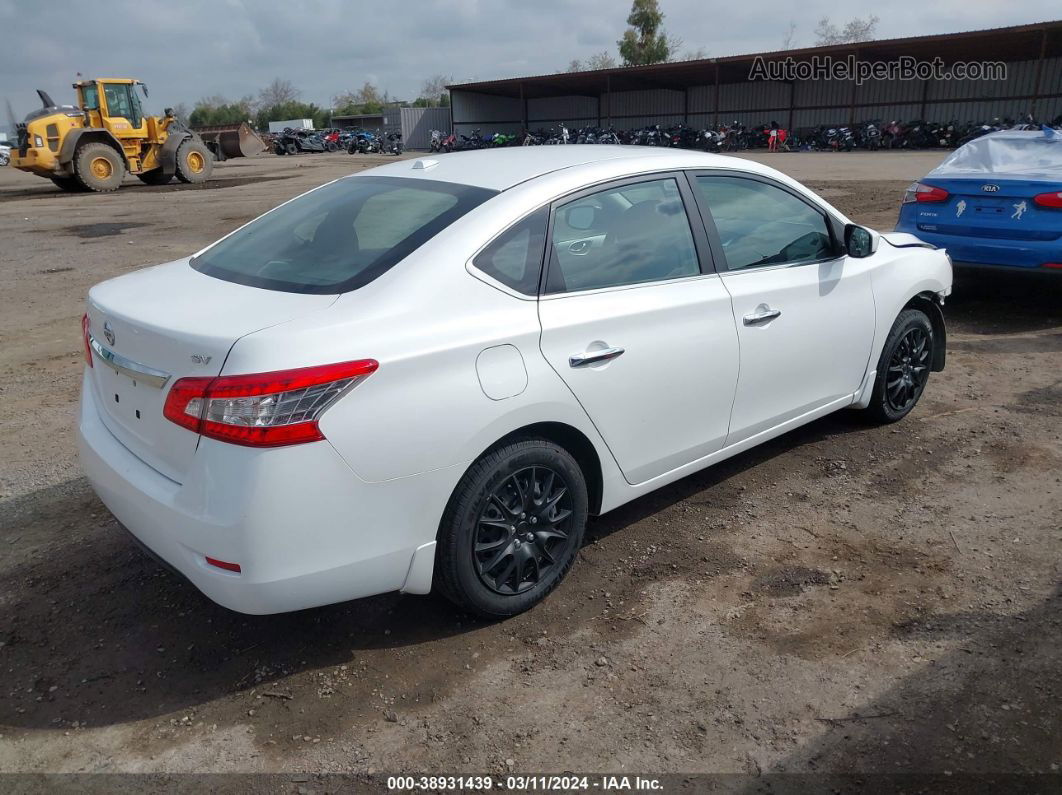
[91, 145]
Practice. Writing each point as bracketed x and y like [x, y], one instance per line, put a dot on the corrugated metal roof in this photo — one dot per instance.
[1018, 42]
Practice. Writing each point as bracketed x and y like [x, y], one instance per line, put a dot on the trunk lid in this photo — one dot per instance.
[1001, 209]
[164, 323]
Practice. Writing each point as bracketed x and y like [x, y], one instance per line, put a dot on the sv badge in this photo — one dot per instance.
[199, 358]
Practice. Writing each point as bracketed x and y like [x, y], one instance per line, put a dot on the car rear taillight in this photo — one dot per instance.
[1053, 265]
[920, 192]
[1052, 200]
[85, 338]
[264, 409]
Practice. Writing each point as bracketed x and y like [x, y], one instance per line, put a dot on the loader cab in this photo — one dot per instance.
[113, 105]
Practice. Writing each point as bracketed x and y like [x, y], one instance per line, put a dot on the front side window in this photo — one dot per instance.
[341, 236]
[630, 234]
[761, 225]
[118, 102]
[514, 258]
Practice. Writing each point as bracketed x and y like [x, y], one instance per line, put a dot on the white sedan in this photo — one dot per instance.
[431, 373]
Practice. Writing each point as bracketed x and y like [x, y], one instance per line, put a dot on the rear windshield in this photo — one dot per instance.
[341, 236]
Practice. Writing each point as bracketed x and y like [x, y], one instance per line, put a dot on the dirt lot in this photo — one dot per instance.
[843, 598]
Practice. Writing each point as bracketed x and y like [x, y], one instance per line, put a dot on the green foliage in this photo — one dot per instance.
[293, 110]
[206, 114]
[644, 42]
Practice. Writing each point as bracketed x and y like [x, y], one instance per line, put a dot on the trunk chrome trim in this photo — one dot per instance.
[127, 367]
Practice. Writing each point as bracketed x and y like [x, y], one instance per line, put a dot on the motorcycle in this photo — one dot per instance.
[436, 144]
[468, 142]
[364, 142]
[392, 143]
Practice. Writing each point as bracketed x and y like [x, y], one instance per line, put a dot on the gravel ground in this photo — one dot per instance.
[844, 598]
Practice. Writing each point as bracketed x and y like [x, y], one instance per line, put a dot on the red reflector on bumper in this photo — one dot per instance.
[1055, 265]
[223, 565]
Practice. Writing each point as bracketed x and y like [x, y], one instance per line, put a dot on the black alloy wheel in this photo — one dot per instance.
[908, 370]
[903, 368]
[523, 530]
[512, 529]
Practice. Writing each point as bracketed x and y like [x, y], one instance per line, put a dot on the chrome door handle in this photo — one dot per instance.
[592, 357]
[761, 317]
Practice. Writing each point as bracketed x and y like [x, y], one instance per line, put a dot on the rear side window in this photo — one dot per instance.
[514, 258]
[630, 234]
[341, 236]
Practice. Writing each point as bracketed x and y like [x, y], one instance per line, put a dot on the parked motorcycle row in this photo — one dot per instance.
[294, 142]
[871, 135]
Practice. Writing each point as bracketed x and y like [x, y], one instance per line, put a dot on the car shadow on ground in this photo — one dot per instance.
[94, 622]
[1004, 302]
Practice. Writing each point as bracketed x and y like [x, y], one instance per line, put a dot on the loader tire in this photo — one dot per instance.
[194, 162]
[156, 177]
[98, 167]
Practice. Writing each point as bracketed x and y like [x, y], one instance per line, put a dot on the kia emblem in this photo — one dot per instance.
[990, 188]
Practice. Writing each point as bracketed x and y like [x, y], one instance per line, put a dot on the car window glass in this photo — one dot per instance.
[514, 258]
[118, 101]
[388, 218]
[760, 224]
[340, 236]
[92, 97]
[621, 236]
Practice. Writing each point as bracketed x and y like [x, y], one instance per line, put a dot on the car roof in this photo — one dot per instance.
[502, 168]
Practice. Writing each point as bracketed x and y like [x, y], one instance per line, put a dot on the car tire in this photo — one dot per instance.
[194, 162]
[503, 546]
[99, 168]
[903, 368]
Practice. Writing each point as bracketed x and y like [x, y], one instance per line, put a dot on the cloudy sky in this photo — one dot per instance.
[187, 49]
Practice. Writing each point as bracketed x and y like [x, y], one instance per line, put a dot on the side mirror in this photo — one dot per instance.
[859, 242]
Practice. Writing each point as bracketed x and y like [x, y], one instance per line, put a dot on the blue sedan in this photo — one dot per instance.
[997, 201]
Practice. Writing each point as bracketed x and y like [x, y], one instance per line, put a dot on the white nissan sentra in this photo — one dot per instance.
[431, 373]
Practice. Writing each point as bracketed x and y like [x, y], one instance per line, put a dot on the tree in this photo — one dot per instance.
[434, 92]
[693, 55]
[278, 92]
[180, 110]
[855, 30]
[210, 111]
[644, 42]
[790, 36]
[283, 111]
[366, 99]
[601, 60]
[575, 65]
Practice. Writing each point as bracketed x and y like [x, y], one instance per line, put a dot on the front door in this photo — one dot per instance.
[642, 335]
[804, 311]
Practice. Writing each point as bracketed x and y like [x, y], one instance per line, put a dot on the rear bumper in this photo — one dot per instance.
[991, 252]
[305, 530]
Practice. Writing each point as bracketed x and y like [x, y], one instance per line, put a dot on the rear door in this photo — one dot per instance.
[804, 312]
[637, 324]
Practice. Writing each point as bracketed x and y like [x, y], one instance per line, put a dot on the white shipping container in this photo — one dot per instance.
[295, 124]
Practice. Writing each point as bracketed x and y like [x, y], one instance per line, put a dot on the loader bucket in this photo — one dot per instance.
[232, 141]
